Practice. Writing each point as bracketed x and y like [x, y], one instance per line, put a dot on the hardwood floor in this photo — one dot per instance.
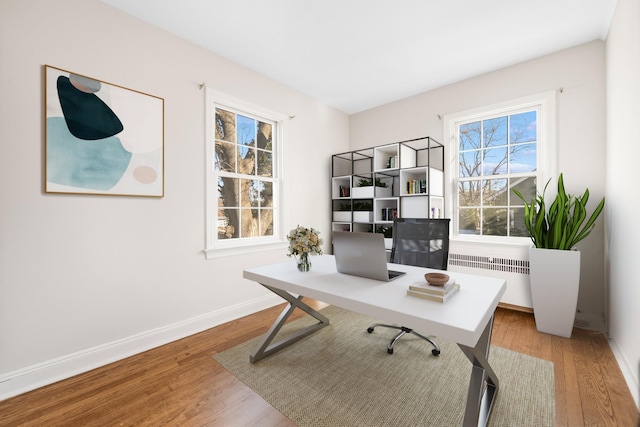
[180, 384]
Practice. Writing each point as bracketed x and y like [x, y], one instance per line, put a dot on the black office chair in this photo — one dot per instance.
[424, 243]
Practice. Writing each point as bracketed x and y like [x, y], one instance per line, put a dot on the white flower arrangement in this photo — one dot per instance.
[304, 241]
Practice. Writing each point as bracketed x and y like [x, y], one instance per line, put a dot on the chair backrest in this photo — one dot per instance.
[421, 242]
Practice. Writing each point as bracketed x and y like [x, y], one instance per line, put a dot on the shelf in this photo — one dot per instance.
[402, 179]
[385, 210]
[362, 227]
[338, 226]
[422, 180]
[422, 207]
[386, 157]
[341, 187]
[363, 161]
[342, 210]
[341, 164]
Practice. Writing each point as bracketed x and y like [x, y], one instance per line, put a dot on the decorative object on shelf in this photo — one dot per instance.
[363, 205]
[554, 263]
[342, 210]
[386, 231]
[363, 211]
[364, 182]
[304, 242]
[369, 187]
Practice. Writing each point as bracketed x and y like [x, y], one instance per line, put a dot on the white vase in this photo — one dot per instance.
[555, 282]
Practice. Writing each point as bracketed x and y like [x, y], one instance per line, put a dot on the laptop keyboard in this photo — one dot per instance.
[393, 274]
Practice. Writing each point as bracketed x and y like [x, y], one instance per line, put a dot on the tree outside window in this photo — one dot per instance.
[495, 155]
[245, 176]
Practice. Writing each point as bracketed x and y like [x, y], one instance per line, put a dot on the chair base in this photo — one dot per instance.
[403, 331]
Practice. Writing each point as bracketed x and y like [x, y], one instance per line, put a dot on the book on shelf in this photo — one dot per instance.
[392, 162]
[424, 286]
[389, 214]
[417, 186]
[433, 297]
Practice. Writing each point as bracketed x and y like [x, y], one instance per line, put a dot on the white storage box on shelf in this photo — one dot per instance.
[341, 216]
[363, 216]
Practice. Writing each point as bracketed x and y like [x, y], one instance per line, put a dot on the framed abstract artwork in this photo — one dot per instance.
[101, 138]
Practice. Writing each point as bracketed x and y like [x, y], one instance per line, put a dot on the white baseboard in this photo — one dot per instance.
[627, 372]
[48, 372]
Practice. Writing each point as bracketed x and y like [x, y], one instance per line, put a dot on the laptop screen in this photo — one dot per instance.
[362, 254]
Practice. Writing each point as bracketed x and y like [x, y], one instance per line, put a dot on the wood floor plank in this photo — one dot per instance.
[562, 405]
[180, 384]
[592, 383]
[610, 381]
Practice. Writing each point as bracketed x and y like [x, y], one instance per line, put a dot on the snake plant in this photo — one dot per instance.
[561, 225]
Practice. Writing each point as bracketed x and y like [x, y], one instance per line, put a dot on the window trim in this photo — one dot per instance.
[547, 153]
[215, 248]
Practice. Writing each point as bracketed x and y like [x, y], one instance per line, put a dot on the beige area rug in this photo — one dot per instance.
[343, 376]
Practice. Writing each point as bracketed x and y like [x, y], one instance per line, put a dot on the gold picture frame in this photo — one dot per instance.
[101, 138]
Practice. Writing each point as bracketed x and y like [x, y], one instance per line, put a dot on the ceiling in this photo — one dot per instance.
[359, 54]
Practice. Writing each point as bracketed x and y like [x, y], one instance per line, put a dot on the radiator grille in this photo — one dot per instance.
[490, 263]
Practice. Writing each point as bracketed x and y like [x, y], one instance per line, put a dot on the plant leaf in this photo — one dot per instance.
[561, 225]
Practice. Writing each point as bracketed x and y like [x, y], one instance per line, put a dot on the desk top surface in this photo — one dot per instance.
[461, 319]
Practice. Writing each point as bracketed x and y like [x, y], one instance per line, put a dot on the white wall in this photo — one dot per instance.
[623, 205]
[88, 279]
[580, 74]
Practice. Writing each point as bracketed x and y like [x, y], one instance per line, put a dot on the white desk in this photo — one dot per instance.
[466, 319]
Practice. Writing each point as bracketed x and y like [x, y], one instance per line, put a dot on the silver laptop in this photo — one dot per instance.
[362, 254]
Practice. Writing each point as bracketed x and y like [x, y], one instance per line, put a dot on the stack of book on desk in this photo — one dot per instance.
[422, 289]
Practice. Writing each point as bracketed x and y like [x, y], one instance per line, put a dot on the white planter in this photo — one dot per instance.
[370, 192]
[362, 192]
[555, 282]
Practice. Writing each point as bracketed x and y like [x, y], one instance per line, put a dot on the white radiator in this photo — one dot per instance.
[514, 271]
[507, 265]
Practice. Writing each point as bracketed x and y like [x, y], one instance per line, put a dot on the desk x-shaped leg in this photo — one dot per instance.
[483, 385]
[266, 348]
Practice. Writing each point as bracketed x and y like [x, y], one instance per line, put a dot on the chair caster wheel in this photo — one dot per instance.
[435, 352]
[369, 329]
[390, 350]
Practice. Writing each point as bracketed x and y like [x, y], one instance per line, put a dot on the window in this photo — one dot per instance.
[244, 149]
[496, 150]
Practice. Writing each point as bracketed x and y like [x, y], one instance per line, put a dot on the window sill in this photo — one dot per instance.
[497, 241]
[242, 250]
